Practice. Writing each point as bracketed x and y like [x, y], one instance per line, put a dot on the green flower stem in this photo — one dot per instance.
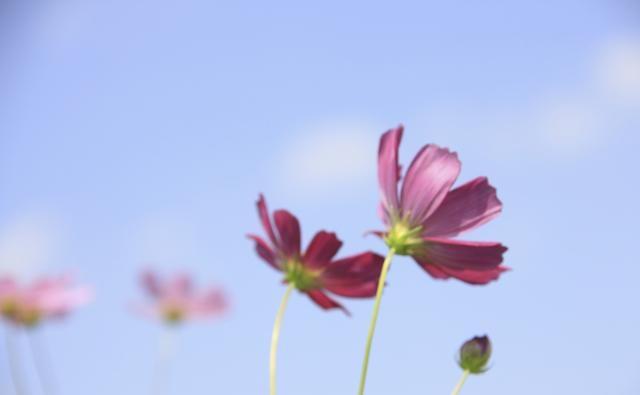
[374, 318]
[166, 351]
[14, 360]
[456, 390]
[42, 363]
[275, 337]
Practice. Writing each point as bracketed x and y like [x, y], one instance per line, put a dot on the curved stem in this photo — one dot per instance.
[14, 361]
[456, 390]
[275, 337]
[374, 319]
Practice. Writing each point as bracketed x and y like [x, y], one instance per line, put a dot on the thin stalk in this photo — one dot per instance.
[42, 364]
[464, 377]
[275, 337]
[14, 360]
[166, 350]
[374, 319]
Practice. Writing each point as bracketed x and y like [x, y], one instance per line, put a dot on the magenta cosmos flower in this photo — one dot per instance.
[315, 271]
[46, 298]
[175, 300]
[426, 214]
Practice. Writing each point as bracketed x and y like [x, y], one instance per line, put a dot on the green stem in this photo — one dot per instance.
[275, 337]
[456, 390]
[374, 319]
[161, 381]
[14, 360]
[42, 364]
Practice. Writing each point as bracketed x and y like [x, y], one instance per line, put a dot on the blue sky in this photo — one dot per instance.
[135, 134]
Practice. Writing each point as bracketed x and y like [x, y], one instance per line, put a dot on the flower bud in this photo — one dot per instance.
[475, 354]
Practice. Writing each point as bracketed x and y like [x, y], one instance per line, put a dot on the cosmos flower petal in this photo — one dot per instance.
[212, 302]
[62, 301]
[473, 277]
[427, 182]
[263, 213]
[180, 301]
[324, 301]
[322, 248]
[355, 276]
[464, 208]
[389, 170]
[289, 230]
[465, 254]
[151, 283]
[471, 262]
[265, 252]
[180, 285]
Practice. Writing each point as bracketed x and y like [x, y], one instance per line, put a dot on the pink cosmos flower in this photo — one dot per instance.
[175, 300]
[46, 298]
[426, 214]
[315, 271]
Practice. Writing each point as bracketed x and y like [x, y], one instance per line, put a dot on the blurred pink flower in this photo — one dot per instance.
[315, 271]
[425, 216]
[45, 298]
[174, 300]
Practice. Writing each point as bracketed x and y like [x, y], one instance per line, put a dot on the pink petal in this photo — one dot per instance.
[471, 262]
[322, 248]
[263, 213]
[322, 300]
[265, 252]
[180, 285]
[212, 303]
[151, 283]
[356, 276]
[289, 230]
[389, 169]
[464, 208]
[428, 180]
[468, 276]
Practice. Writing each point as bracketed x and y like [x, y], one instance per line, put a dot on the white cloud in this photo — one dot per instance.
[330, 156]
[617, 70]
[28, 243]
[569, 122]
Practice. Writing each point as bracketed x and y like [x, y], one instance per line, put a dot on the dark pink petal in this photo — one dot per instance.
[151, 283]
[322, 300]
[472, 277]
[213, 302]
[263, 213]
[428, 180]
[356, 276]
[464, 208]
[180, 285]
[389, 169]
[265, 252]
[471, 262]
[322, 248]
[289, 230]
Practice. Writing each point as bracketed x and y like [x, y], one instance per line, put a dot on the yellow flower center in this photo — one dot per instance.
[301, 277]
[404, 239]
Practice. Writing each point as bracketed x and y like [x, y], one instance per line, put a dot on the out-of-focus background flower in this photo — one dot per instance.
[135, 133]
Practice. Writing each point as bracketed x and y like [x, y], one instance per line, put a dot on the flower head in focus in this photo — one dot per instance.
[174, 299]
[425, 215]
[475, 354]
[314, 271]
[44, 299]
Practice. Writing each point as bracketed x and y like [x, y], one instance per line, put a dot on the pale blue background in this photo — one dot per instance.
[142, 132]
